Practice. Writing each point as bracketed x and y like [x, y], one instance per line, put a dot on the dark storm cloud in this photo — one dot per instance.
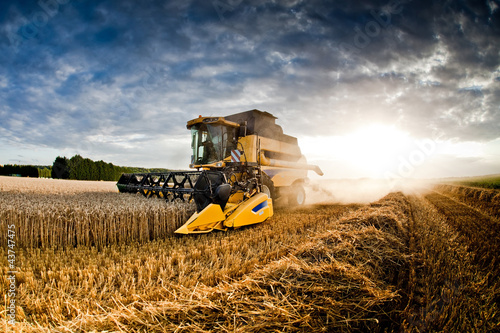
[116, 68]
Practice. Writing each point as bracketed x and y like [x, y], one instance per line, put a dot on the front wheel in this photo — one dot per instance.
[268, 186]
[297, 195]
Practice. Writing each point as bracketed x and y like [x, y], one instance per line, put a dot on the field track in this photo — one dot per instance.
[478, 230]
[453, 278]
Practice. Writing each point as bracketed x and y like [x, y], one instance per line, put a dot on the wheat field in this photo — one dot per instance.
[58, 214]
[90, 259]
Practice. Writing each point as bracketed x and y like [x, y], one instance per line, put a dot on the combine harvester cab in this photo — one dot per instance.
[244, 162]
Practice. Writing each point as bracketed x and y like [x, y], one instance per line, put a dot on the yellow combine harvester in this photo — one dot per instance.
[243, 162]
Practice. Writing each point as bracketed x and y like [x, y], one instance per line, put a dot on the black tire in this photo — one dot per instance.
[268, 186]
[296, 195]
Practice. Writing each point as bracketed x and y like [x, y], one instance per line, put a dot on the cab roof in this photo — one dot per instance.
[211, 120]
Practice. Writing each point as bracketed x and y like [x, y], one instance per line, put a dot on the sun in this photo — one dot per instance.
[369, 151]
[374, 148]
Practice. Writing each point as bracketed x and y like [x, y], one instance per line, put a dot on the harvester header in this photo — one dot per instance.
[244, 162]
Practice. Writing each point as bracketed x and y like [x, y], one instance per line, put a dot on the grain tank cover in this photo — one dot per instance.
[262, 123]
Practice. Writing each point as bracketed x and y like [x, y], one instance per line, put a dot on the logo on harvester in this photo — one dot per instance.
[235, 155]
[260, 207]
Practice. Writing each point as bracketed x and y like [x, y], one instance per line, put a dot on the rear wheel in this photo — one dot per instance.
[297, 195]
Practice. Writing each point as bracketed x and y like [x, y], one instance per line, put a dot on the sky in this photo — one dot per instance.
[370, 88]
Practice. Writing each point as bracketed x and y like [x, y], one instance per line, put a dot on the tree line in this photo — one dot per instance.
[76, 167]
[80, 168]
[25, 170]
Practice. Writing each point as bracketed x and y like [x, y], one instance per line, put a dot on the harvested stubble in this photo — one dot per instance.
[479, 231]
[486, 200]
[86, 280]
[449, 291]
[312, 272]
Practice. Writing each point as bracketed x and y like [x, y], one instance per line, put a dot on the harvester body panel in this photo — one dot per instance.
[256, 209]
[207, 220]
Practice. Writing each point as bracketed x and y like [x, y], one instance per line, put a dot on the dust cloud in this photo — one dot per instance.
[362, 191]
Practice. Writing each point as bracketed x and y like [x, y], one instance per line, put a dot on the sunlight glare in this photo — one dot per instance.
[369, 151]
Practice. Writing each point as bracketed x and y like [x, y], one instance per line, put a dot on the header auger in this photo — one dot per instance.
[243, 162]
